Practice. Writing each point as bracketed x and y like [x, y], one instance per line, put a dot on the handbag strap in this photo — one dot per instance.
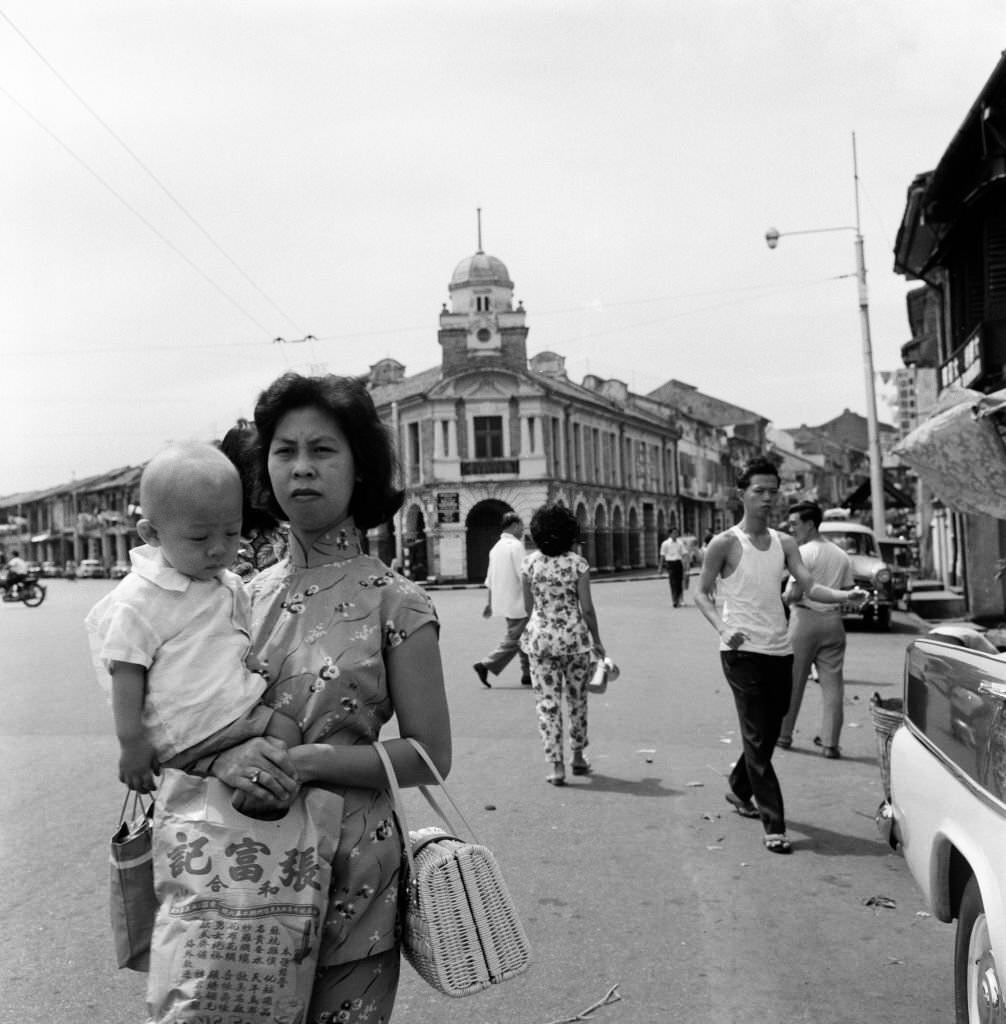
[431, 800]
[138, 806]
[399, 807]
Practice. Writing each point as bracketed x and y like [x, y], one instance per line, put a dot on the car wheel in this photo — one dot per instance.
[977, 995]
[884, 618]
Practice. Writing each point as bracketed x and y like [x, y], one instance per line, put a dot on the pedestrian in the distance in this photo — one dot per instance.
[746, 563]
[561, 637]
[815, 629]
[506, 599]
[672, 555]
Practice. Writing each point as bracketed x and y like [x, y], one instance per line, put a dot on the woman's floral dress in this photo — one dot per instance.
[559, 646]
[321, 634]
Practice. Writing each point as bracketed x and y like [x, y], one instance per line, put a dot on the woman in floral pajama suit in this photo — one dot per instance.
[561, 638]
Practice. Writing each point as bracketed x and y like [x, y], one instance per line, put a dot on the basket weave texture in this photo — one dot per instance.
[462, 932]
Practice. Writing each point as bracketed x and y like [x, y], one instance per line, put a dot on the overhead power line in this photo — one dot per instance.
[153, 177]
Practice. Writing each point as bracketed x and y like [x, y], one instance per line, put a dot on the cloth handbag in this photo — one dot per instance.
[131, 900]
[461, 932]
[241, 904]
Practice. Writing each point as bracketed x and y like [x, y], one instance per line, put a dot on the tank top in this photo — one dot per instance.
[752, 596]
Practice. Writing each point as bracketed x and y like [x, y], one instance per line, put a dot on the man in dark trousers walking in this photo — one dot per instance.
[672, 554]
[744, 567]
[506, 599]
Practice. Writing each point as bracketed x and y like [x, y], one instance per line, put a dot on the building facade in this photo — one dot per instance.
[488, 430]
[952, 238]
[491, 430]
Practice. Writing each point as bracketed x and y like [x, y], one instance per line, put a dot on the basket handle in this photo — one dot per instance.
[396, 796]
[398, 806]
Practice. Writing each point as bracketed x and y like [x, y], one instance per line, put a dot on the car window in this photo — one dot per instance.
[852, 543]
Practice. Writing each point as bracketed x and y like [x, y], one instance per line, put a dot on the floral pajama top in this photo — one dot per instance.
[321, 634]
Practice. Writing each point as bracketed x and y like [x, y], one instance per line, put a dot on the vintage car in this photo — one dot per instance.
[947, 807]
[91, 568]
[869, 570]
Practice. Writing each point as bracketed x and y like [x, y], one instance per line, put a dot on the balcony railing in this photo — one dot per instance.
[490, 467]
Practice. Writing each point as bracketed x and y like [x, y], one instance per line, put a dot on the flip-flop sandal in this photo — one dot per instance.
[776, 842]
[744, 808]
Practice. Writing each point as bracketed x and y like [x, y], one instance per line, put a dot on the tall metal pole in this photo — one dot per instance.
[872, 432]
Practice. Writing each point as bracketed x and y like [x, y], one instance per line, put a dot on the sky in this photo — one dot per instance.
[184, 182]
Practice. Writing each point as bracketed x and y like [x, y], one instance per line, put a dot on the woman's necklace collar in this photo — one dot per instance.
[337, 544]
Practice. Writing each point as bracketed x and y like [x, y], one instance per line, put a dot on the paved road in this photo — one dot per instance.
[638, 875]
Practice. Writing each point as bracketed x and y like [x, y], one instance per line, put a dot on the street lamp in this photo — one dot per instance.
[772, 237]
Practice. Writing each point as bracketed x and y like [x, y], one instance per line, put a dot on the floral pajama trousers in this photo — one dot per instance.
[551, 677]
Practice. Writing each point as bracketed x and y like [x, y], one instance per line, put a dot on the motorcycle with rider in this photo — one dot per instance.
[18, 584]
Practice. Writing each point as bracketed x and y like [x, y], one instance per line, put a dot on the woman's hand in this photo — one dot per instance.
[262, 769]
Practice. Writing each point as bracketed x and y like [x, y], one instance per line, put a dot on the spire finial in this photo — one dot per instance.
[478, 216]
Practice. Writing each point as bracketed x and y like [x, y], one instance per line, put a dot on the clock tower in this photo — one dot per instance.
[482, 328]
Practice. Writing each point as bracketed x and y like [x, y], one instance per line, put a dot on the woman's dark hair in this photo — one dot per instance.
[240, 446]
[554, 529]
[761, 465]
[375, 498]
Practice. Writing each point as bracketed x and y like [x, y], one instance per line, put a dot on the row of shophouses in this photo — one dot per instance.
[489, 430]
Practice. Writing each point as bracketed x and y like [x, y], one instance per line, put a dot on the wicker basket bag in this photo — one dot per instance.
[461, 931]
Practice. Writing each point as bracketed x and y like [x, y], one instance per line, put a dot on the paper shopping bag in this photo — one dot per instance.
[241, 904]
[131, 901]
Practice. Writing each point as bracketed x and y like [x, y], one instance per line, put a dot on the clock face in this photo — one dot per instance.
[482, 335]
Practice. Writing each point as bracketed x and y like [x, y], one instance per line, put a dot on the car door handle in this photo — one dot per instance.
[996, 690]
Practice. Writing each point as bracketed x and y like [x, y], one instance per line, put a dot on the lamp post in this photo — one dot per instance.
[772, 237]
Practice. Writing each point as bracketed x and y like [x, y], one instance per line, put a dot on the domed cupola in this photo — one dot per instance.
[482, 322]
[480, 270]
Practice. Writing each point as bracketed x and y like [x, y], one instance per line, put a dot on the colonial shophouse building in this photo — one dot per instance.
[486, 431]
[490, 430]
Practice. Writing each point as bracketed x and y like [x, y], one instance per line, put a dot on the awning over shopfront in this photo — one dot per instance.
[894, 497]
[959, 451]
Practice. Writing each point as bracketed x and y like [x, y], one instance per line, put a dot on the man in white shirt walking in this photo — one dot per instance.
[672, 554]
[506, 599]
[816, 632]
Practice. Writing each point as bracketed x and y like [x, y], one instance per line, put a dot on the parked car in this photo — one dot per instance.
[868, 569]
[90, 568]
[50, 570]
[34, 569]
[947, 810]
[902, 558]
[119, 570]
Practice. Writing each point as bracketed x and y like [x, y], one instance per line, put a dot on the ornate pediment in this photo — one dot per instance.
[484, 384]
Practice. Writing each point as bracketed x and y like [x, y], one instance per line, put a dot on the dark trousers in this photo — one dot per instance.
[501, 655]
[761, 685]
[676, 577]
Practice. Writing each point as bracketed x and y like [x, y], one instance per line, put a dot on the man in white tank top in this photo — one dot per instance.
[745, 567]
